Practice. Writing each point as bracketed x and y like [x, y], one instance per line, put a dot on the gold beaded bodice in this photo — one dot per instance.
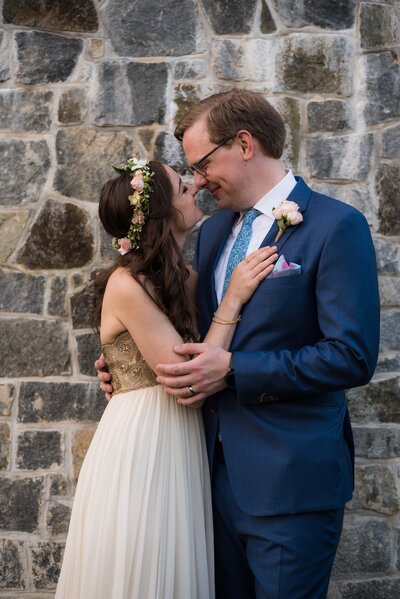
[126, 364]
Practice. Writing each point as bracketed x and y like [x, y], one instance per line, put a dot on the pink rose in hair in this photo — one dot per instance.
[125, 245]
[138, 218]
[137, 184]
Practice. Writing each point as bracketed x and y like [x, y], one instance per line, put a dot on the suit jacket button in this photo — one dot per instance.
[213, 409]
[272, 397]
[262, 398]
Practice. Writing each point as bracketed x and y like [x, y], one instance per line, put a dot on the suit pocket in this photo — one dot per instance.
[282, 283]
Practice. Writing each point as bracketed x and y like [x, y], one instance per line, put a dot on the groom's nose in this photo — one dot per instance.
[199, 180]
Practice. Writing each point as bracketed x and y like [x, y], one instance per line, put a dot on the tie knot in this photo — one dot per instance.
[250, 215]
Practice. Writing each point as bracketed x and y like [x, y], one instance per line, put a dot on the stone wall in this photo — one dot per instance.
[83, 85]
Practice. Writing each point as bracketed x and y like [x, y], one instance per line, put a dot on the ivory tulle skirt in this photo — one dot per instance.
[141, 524]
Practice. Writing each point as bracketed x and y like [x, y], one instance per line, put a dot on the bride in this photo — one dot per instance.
[141, 524]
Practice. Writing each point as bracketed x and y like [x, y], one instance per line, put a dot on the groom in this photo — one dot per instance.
[278, 431]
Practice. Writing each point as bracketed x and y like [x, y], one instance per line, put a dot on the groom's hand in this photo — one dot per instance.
[196, 379]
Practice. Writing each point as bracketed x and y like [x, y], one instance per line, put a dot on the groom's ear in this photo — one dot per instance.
[246, 141]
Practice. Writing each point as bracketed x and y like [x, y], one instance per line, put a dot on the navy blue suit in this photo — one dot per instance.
[302, 341]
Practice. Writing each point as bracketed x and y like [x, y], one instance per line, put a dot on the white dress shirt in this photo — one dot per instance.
[261, 226]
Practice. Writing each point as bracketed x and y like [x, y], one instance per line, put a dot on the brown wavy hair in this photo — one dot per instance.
[158, 264]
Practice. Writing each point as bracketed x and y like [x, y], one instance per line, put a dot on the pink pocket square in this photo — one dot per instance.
[284, 269]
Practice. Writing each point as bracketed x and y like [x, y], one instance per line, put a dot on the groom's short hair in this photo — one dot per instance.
[229, 112]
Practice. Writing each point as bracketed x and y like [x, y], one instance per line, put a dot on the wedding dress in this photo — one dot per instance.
[141, 523]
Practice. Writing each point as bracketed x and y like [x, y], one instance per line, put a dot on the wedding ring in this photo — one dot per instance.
[192, 391]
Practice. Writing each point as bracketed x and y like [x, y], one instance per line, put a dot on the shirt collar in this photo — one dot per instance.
[276, 195]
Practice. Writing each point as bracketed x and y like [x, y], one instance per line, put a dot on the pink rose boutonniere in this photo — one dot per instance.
[287, 214]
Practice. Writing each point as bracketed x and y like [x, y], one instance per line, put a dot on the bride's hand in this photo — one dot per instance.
[250, 272]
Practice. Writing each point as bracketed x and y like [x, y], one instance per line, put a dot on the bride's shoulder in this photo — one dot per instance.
[121, 283]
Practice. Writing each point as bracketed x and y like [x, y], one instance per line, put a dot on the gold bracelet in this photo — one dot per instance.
[220, 320]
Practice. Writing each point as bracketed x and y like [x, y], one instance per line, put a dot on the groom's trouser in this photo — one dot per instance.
[271, 557]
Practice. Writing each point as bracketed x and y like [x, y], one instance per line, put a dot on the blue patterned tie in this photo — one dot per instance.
[239, 248]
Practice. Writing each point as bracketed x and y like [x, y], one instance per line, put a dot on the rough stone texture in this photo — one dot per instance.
[381, 74]
[46, 564]
[45, 57]
[230, 16]
[267, 23]
[384, 588]
[364, 546]
[186, 95]
[34, 348]
[379, 26]
[387, 187]
[234, 59]
[74, 15]
[80, 443]
[6, 399]
[345, 157]
[58, 485]
[388, 256]
[324, 14]
[73, 107]
[390, 330]
[18, 186]
[58, 517]
[377, 441]
[4, 446]
[390, 142]
[39, 450]
[290, 110]
[379, 401]
[190, 69]
[52, 402]
[376, 489]
[89, 349]
[61, 237]
[140, 101]
[169, 150]
[389, 289]
[82, 304]
[315, 63]
[356, 194]
[25, 110]
[128, 27]
[58, 296]
[85, 158]
[331, 115]
[4, 58]
[20, 292]
[11, 226]
[20, 503]
[12, 574]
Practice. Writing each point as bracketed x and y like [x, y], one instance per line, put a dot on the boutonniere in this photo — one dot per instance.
[287, 214]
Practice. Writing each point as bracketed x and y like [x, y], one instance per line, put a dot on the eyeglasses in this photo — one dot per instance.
[196, 166]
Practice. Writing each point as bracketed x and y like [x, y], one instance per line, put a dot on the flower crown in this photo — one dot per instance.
[142, 185]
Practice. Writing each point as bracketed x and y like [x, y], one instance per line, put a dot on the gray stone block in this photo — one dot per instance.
[73, 106]
[387, 187]
[52, 402]
[46, 563]
[190, 69]
[381, 442]
[45, 57]
[5, 446]
[267, 23]
[387, 255]
[244, 60]
[391, 143]
[173, 26]
[4, 57]
[58, 485]
[330, 115]
[379, 401]
[58, 297]
[372, 588]
[379, 26]
[34, 348]
[6, 399]
[345, 157]
[58, 517]
[74, 15]
[18, 186]
[376, 489]
[25, 110]
[20, 504]
[290, 111]
[12, 575]
[381, 73]
[390, 330]
[39, 449]
[365, 546]
[20, 292]
[89, 349]
[60, 237]
[169, 150]
[327, 15]
[85, 158]
[389, 291]
[186, 95]
[230, 16]
[388, 362]
[131, 93]
[82, 306]
[315, 64]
